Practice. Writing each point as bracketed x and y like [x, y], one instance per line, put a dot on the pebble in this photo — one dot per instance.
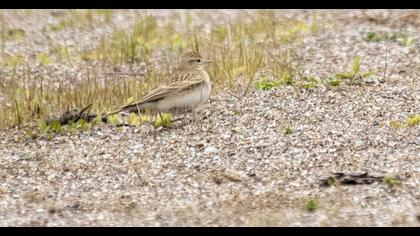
[210, 150]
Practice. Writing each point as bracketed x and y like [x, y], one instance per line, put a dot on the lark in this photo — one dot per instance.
[186, 89]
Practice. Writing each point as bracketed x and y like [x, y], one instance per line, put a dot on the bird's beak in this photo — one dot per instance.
[207, 61]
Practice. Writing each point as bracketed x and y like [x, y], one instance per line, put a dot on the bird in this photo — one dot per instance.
[185, 89]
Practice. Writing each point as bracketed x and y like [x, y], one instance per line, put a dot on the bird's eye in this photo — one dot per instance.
[198, 60]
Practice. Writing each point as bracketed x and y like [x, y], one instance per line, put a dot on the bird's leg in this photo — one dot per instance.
[200, 119]
[194, 115]
[161, 118]
[197, 118]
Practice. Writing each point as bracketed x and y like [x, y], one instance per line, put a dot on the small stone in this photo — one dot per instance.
[210, 150]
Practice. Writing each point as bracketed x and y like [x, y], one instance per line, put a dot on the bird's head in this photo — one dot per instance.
[192, 60]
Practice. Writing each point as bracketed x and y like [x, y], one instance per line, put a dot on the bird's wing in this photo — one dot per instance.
[189, 81]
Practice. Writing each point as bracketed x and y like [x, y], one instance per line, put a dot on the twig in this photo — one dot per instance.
[73, 116]
[253, 77]
[234, 95]
[350, 179]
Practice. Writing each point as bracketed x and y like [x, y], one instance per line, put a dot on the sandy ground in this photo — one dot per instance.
[237, 167]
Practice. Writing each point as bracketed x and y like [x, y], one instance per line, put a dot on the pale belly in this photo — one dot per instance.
[186, 101]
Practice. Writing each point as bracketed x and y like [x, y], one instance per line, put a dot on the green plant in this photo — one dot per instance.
[375, 37]
[55, 127]
[43, 128]
[82, 124]
[401, 38]
[334, 82]
[237, 112]
[253, 61]
[283, 78]
[31, 134]
[134, 119]
[288, 130]
[15, 34]
[355, 72]
[114, 119]
[406, 42]
[391, 180]
[308, 85]
[18, 103]
[97, 120]
[239, 130]
[396, 124]
[265, 84]
[311, 205]
[413, 120]
[164, 120]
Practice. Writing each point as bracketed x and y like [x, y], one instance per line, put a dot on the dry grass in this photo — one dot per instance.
[33, 88]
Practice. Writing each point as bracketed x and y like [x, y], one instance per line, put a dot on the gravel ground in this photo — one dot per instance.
[237, 167]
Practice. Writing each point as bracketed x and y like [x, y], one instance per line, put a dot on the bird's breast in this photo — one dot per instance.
[188, 99]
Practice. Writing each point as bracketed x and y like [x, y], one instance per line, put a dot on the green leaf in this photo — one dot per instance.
[391, 180]
[343, 76]
[83, 124]
[43, 129]
[334, 82]
[311, 205]
[134, 119]
[286, 77]
[396, 124]
[374, 37]
[73, 129]
[368, 74]
[407, 42]
[165, 120]
[114, 119]
[413, 120]
[30, 133]
[15, 34]
[309, 85]
[55, 126]
[310, 79]
[357, 62]
[288, 130]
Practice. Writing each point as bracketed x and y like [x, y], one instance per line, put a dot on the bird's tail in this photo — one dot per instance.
[130, 108]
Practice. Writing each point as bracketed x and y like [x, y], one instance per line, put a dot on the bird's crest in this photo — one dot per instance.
[190, 54]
